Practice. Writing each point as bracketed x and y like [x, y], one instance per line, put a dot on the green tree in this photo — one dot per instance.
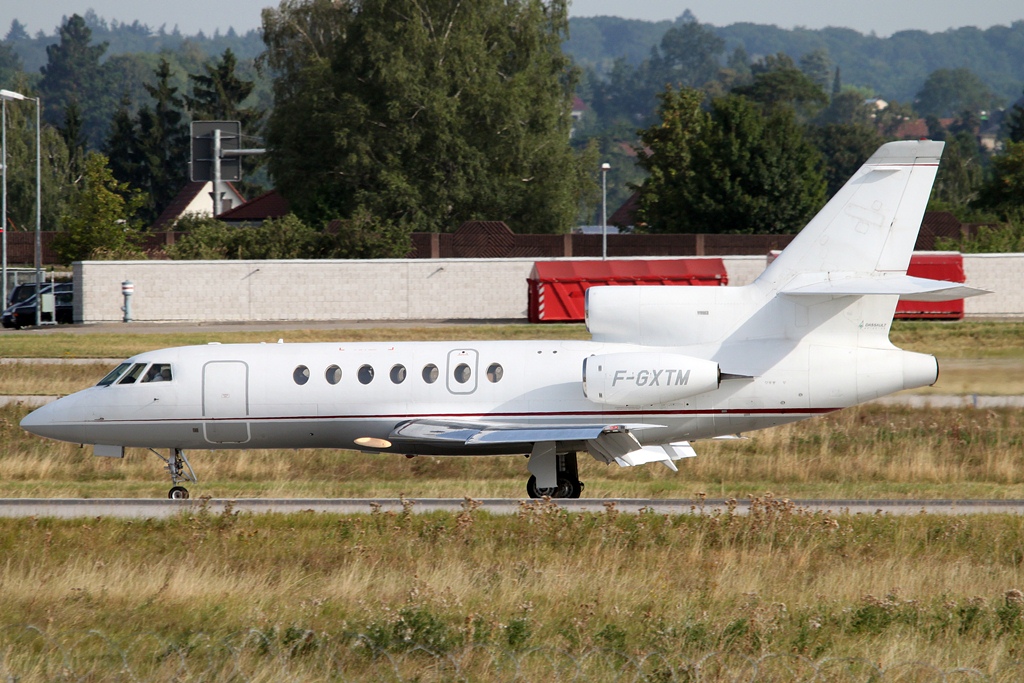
[690, 55]
[817, 65]
[779, 83]
[844, 147]
[163, 144]
[10, 64]
[99, 216]
[122, 146]
[847, 107]
[71, 132]
[423, 114]
[960, 174]
[949, 91]
[1015, 122]
[21, 167]
[73, 72]
[666, 154]
[218, 94]
[745, 171]
[1003, 192]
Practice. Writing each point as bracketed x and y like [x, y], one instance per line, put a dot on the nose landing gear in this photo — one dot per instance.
[178, 467]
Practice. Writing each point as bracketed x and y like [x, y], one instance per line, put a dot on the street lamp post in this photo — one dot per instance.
[39, 225]
[605, 167]
[4, 96]
[3, 217]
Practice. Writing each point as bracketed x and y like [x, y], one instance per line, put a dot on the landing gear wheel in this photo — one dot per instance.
[178, 493]
[566, 488]
[178, 467]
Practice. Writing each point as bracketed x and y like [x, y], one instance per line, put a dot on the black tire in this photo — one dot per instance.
[566, 488]
[178, 493]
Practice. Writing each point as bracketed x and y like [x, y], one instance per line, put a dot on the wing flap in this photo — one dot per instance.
[665, 453]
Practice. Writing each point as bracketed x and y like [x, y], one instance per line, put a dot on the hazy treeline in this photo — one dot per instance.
[894, 67]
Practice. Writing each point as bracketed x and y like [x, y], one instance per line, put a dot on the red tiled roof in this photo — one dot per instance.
[268, 205]
[625, 216]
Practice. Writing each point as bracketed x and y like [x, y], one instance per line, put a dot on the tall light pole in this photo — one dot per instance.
[4, 96]
[605, 167]
[39, 225]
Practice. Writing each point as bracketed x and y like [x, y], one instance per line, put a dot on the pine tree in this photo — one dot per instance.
[218, 94]
[73, 73]
[163, 144]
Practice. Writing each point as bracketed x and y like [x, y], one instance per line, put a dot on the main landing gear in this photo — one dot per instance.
[180, 470]
[567, 477]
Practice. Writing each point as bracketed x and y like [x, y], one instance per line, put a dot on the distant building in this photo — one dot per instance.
[196, 198]
[268, 205]
[579, 108]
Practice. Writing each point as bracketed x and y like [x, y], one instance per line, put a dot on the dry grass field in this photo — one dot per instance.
[313, 596]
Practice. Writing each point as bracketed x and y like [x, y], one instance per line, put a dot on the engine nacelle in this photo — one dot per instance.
[647, 378]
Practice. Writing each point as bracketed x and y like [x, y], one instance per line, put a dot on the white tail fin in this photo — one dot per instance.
[870, 225]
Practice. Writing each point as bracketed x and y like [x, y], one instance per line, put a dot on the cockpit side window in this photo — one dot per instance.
[158, 372]
[133, 375]
[113, 375]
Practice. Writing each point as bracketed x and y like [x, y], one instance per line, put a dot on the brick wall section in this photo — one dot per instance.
[444, 289]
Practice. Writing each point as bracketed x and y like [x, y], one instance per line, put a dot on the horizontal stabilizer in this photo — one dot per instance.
[906, 286]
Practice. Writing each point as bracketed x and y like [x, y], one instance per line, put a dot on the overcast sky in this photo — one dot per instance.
[884, 17]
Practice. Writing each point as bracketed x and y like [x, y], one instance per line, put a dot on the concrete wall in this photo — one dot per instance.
[303, 290]
[450, 289]
[1001, 274]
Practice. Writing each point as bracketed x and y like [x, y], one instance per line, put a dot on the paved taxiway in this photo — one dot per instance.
[148, 508]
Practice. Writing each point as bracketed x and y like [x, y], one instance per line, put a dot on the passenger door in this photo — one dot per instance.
[226, 396]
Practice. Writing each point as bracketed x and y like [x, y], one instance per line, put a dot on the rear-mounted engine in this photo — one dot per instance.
[633, 379]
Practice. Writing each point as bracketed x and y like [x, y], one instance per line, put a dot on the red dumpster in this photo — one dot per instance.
[557, 288]
[937, 265]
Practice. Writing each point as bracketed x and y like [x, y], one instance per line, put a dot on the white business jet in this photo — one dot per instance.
[666, 366]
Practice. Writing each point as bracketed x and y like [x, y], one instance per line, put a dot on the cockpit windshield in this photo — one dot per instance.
[132, 376]
[130, 373]
[113, 375]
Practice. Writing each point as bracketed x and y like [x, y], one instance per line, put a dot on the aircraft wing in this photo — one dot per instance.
[608, 443]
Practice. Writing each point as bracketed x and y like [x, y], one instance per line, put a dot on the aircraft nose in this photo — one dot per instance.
[39, 420]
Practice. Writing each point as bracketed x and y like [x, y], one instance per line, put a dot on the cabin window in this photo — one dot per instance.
[494, 372]
[430, 373]
[158, 372]
[133, 375]
[113, 375]
[366, 374]
[301, 375]
[462, 373]
[398, 374]
[333, 374]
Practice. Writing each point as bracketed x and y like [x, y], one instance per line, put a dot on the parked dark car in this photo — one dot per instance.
[23, 314]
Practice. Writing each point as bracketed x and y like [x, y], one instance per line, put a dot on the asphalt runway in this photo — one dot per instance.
[149, 508]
